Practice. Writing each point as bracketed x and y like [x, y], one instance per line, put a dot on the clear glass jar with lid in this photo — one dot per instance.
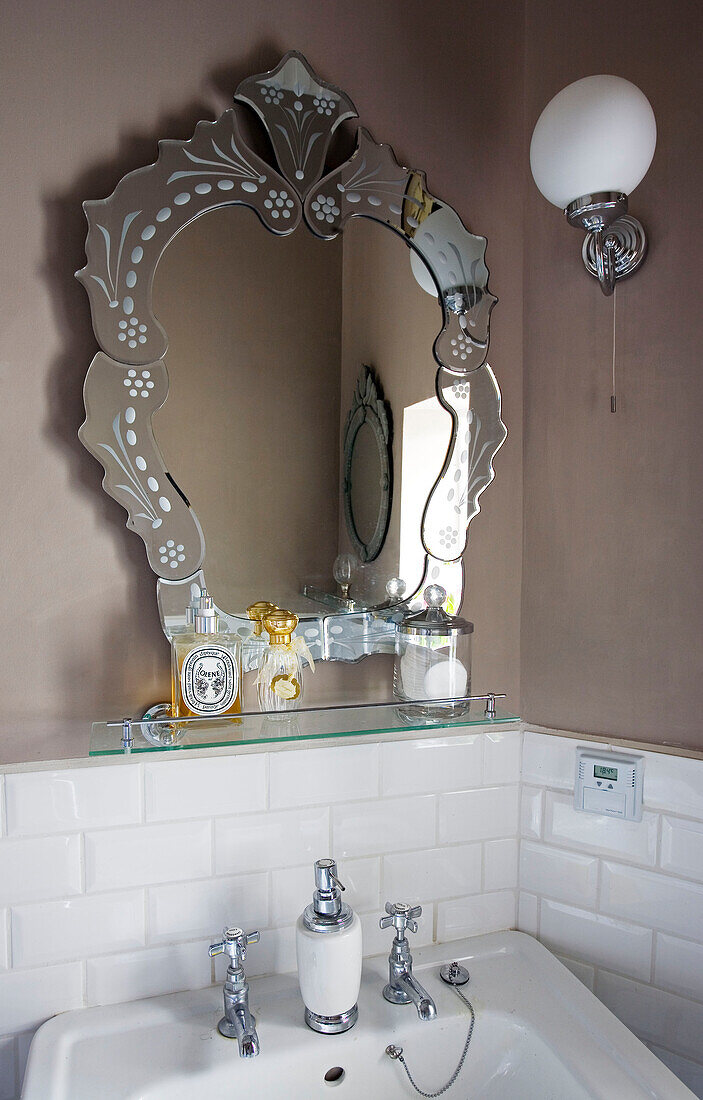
[432, 673]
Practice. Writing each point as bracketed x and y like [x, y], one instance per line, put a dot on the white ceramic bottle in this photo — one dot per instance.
[329, 950]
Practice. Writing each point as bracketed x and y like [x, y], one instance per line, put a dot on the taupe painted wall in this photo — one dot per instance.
[87, 89]
[612, 607]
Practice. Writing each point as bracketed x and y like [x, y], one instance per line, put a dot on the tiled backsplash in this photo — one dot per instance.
[114, 879]
[621, 901]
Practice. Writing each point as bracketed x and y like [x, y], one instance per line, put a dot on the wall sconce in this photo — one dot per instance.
[592, 145]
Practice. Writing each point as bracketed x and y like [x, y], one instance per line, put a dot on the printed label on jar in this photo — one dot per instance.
[209, 680]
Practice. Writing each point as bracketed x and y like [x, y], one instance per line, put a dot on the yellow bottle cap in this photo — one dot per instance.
[280, 625]
[257, 612]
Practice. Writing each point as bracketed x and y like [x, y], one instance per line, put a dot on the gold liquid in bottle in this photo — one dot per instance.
[206, 668]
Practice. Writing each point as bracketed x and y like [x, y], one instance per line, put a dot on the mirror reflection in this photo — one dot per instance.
[366, 483]
[267, 338]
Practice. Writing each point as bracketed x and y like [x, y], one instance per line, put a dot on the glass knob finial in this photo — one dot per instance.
[434, 595]
[344, 568]
[396, 588]
[343, 571]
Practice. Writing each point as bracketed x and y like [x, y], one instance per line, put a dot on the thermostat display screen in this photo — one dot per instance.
[599, 772]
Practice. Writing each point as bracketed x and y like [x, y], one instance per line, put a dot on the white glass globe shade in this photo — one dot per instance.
[445, 245]
[597, 134]
[422, 274]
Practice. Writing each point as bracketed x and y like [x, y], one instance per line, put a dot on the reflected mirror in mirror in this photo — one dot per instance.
[366, 483]
[267, 336]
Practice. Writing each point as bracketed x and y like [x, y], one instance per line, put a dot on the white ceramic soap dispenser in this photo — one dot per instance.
[328, 946]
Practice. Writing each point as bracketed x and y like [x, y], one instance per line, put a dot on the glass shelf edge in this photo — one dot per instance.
[108, 742]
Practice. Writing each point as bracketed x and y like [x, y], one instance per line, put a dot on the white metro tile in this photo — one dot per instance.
[186, 910]
[147, 854]
[7, 1068]
[528, 913]
[682, 847]
[500, 864]
[377, 941]
[663, 1018]
[691, 1073]
[582, 971]
[362, 880]
[260, 841]
[273, 954]
[82, 798]
[558, 874]
[501, 757]
[634, 841]
[548, 760]
[476, 915]
[653, 899]
[531, 802]
[77, 927]
[4, 939]
[679, 966]
[29, 997]
[478, 815]
[673, 783]
[438, 873]
[203, 788]
[439, 764]
[314, 777]
[147, 973]
[292, 888]
[371, 828]
[596, 939]
[45, 867]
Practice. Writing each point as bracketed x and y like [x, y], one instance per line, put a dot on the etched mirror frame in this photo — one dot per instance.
[127, 381]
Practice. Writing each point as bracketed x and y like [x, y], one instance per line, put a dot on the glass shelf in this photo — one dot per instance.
[366, 719]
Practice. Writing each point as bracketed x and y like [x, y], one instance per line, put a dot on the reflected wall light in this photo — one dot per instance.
[592, 145]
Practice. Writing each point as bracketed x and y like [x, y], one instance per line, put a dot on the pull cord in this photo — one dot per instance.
[613, 394]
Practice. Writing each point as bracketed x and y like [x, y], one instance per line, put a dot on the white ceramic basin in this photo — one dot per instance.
[539, 1035]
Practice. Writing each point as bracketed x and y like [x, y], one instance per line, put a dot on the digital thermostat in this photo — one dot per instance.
[609, 783]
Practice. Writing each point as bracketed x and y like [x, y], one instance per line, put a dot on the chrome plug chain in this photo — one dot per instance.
[397, 1053]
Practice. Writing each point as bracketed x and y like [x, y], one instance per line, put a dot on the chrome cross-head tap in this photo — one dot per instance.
[401, 916]
[402, 986]
[237, 1022]
[234, 943]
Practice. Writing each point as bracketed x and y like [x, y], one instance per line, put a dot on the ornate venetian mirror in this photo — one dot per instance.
[230, 345]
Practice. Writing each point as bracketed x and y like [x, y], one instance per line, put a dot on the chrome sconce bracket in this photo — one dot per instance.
[615, 244]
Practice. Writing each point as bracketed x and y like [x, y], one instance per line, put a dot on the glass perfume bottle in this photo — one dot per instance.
[255, 645]
[206, 674]
[280, 680]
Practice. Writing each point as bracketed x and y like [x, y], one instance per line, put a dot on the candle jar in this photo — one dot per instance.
[432, 672]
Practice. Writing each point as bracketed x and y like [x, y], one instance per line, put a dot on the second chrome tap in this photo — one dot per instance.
[402, 986]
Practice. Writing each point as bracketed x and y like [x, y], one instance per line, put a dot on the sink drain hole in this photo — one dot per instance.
[335, 1076]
